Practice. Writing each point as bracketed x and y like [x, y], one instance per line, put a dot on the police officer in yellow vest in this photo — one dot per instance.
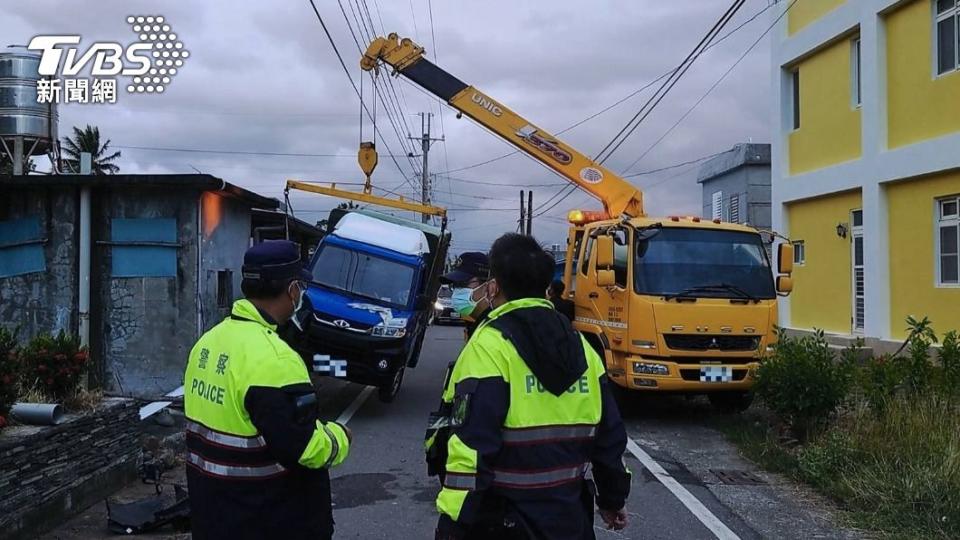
[526, 411]
[258, 455]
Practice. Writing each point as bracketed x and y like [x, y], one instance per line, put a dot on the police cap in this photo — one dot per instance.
[274, 260]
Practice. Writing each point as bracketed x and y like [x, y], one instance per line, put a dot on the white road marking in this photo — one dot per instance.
[693, 504]
[348, 413]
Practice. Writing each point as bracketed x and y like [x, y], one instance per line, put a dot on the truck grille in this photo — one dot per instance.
[722, 342]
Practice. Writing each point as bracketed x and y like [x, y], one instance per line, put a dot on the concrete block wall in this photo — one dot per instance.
[49, 473]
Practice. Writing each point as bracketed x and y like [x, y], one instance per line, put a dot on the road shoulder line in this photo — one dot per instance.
[358, 402]
[709, 520]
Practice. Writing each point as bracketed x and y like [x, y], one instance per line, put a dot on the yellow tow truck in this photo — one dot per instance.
[675, 304]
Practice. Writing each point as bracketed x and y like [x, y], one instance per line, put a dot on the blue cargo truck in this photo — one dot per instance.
[368, 306]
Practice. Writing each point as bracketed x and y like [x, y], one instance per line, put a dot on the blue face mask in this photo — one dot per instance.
[463, 302]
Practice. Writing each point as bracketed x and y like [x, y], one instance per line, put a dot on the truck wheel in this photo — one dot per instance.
[388, 392]
[731, 402]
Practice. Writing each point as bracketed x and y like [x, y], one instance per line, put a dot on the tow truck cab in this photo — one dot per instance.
[375, 280]
[676, 305]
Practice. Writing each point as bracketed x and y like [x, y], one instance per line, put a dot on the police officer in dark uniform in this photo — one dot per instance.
[525, 412]
[258, 454]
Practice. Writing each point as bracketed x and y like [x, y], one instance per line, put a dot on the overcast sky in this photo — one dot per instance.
[262, 77]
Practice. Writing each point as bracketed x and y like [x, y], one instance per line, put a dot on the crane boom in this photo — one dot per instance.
[619, 197]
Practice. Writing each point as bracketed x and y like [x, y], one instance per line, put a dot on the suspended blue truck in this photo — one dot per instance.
[374, 285]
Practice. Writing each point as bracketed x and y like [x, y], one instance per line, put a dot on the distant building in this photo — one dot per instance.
[866, 167]
[166, 253]
[736, 185]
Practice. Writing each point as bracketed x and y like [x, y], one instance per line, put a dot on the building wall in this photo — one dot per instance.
[226, 235]
[912, 222]
[149, 324]
[43, 301]
[805, 12]
[829, 131]
[822, 296]
[752, 183]
[921, 105]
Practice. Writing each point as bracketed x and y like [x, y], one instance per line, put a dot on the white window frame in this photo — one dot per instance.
[856, 73]
[940, 222]
[799, 253]
[953, 13]
[716, 205]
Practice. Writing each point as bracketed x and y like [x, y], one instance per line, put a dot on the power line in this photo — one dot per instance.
[236, 152]
[711, 89]
[353, 84]
[675, 165]
[621, 100]
[664, 89]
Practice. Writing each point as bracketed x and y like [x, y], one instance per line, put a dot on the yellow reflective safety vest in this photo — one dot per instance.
[525, 412]
[258, 454]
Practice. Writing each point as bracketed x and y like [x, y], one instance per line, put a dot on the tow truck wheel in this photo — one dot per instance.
[731, 402]
[388, 392]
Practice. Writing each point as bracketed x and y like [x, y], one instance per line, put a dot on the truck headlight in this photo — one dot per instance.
[650, 369]
[438, 305]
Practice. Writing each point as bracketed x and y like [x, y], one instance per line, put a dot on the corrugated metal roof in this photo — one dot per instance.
[738, 156]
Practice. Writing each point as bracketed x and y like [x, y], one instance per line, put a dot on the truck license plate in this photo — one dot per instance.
[454, 315]
[322, 363]
[716, 374]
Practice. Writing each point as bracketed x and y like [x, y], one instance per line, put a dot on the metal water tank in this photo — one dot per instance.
[20, 114]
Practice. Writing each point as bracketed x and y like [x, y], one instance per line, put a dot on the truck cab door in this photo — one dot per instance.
[603, 284]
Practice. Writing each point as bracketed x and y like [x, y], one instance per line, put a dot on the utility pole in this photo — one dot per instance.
[523, 218]
[530, 213]
[425, 141]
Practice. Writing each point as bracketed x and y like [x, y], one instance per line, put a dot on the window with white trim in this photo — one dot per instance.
[855, 93]
[946, 25]
[716, 211]
[799, 252]
[948, 241]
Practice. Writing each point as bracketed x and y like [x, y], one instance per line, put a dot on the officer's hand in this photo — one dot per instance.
[614, 519]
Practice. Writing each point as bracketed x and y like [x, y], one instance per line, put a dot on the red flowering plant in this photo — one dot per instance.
[9, 372]
[53, 365]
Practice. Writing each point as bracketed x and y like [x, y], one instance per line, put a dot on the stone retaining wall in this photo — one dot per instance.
[50, 473]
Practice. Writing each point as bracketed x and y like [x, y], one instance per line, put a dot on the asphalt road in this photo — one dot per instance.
[678, 462]
[678, 489]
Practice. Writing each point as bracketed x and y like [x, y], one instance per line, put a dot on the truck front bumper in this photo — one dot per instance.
[352, 356]
[704, 376]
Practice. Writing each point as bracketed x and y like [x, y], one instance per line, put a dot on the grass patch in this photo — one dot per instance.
[895, 472]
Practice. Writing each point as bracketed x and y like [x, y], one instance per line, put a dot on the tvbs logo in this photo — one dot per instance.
[150, 63]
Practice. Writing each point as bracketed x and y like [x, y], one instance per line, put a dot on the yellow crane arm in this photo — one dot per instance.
[618, 196]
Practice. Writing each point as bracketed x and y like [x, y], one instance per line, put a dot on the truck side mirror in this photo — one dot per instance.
[784, 284]
[604, 252]
[785, 259]
[606, 278]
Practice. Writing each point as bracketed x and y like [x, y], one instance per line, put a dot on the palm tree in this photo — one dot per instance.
[88, 140]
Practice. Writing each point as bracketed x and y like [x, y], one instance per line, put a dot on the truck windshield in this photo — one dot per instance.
[375, 278]
[703, 263]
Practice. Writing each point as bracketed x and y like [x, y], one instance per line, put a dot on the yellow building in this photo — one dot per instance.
[866, 163]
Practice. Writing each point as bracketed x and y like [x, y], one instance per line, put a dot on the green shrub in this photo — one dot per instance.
[950, 360]
[879, 380]
[9, 373]
[53, 365]
[802, 382]
[917, 368]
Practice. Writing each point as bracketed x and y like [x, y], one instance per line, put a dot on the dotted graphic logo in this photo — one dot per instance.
[167, 51]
